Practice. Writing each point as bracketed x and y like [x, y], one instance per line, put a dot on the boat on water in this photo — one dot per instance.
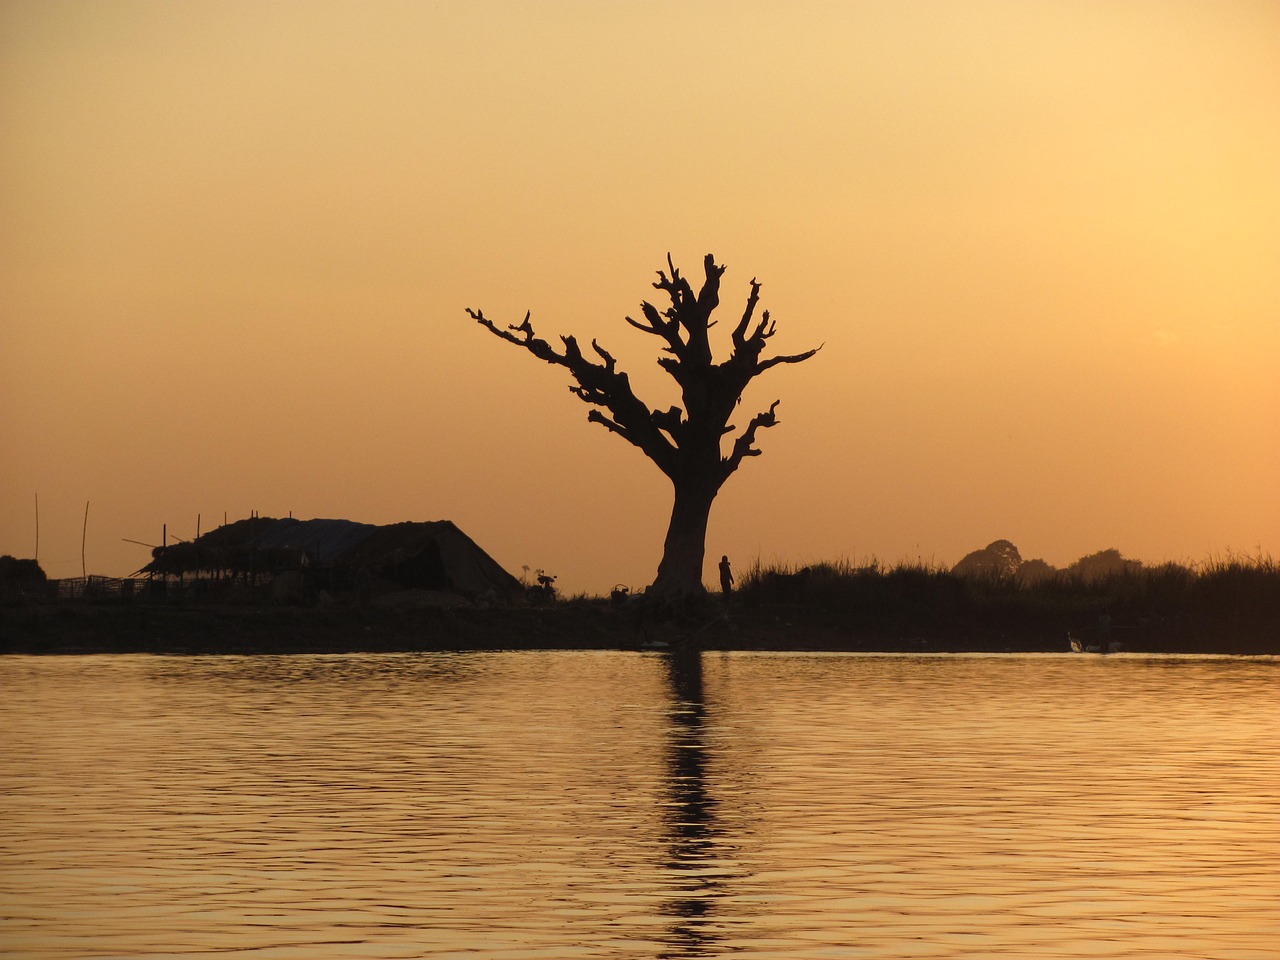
[1097, 646]
[1103, 644]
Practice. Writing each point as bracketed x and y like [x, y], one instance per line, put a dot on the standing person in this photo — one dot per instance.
[726, 578]
[1104, 632]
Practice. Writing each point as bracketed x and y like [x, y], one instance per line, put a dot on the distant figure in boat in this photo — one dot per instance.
[1079, 646]
[1104, 643]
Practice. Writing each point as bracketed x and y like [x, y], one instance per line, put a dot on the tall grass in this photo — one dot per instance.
[1232, 597]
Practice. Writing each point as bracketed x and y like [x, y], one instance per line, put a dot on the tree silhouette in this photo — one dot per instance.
[998, 559]
[686, 444]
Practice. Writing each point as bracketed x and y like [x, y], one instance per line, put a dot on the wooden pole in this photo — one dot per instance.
[84, 532]
[37, 528]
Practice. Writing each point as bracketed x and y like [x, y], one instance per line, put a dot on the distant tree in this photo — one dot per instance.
[13, 570]
[19, 578]
[685, 444]
[997, 559]
[1103, 564]
[1031, 572]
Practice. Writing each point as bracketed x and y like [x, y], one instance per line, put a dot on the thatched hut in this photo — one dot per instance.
[340, 554]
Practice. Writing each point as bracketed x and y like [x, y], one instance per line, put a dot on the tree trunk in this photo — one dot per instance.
[680, 572]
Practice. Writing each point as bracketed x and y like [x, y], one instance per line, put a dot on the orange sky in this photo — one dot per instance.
[1041, 244]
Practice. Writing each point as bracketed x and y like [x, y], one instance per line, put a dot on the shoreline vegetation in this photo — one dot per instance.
[1223, 606]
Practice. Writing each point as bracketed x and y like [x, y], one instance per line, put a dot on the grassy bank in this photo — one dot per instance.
[1225, 607]
[1221, 606]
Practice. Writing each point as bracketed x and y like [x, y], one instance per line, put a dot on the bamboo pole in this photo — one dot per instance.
[84, 533]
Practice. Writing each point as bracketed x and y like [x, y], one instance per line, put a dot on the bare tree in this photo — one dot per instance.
[686, 444]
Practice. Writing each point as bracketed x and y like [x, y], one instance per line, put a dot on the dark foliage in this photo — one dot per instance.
[1229, 606]
[20, 579]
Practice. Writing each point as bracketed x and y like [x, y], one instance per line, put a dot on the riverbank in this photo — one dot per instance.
[87, 628]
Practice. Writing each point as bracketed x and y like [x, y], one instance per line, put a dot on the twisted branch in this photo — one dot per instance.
[744, 445]
[677, 440]
[598, 384]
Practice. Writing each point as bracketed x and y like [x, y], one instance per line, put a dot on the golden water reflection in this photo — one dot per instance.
[613, 805]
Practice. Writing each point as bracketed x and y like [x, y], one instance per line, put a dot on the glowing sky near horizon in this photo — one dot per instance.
[1039, 242]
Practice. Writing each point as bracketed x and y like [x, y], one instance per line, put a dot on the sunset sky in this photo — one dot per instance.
[1040, 243]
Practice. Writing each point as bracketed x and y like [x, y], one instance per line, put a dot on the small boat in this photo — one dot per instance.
[1084, 646]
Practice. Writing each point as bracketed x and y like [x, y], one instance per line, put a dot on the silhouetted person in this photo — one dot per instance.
[726, 578]
[1104, 632]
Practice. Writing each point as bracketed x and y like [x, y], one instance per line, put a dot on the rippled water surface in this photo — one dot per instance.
[578, 805]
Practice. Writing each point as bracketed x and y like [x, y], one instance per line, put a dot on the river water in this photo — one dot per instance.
[566, 805]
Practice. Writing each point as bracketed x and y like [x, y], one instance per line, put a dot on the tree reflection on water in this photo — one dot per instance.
[692, 857]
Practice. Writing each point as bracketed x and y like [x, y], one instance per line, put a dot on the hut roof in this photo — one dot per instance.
[434, 553]
[466, 567]
[321, 540]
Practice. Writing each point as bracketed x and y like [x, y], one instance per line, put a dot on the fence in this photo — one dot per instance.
[98, 588]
